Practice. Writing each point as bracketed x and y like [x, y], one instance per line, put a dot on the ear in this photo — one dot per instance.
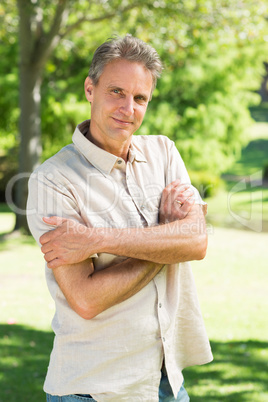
[89, 89]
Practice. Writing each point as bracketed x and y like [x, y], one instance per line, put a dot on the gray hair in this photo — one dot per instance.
[127, 48]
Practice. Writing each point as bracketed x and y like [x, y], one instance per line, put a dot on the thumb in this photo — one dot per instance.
[54, 220]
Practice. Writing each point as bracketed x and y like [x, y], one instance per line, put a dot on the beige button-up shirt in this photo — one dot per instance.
[118, 355]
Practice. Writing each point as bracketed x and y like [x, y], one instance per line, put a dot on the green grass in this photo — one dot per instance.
[240, 208]
[23, 363]
[26, 313]
[243, 200]
[239, 374]
[7, 219]
[232, 287]
[232, 284]
[22, 282]
[260, 112]
[253, 157]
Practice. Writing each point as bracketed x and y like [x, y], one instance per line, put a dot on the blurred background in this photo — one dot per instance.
[212, 101]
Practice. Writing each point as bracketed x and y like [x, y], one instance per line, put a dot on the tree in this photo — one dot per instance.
[212, 50]
[213, 54]
[42, 25]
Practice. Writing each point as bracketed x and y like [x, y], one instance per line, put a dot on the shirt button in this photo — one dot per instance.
[143, 207]
[160, 305]
[119, 162]
[164, 339]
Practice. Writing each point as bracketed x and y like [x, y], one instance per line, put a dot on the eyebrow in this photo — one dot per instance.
[115, 87]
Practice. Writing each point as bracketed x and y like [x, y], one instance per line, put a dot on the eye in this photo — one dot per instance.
[140, 99]
[116, 91]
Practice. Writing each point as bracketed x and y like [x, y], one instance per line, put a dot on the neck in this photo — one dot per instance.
[118, 149]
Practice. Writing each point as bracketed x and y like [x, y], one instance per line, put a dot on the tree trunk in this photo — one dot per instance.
[30, 137]
[36, 46]
[35, 49]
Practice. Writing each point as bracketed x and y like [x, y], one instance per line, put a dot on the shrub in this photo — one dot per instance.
[206, 183]
[265, 170]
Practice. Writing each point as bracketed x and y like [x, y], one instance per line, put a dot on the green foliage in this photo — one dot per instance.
[8, 168]
[207, 183]
[253, 157]
[8, 78]
[265, 170]
[9, 95]
[213, 55]
[59, 121]
[244, 197]
[260, 112]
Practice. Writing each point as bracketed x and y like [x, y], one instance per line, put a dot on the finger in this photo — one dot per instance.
[175, 183]
[168, 189]
[46, 248]
[180, 197]
[54, 220]
[177, 190]
[50, 256]
[187, 194]
[54, 263]
[185, 187]
[187, 205]
[51, 234]
[172, 186]
[182, 186]
[47, 237]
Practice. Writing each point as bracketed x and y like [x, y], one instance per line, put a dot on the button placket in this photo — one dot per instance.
[163, 318]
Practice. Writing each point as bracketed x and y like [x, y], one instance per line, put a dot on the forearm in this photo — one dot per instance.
[90, 292]
[170, 243]
[177, 241]
[159, 245]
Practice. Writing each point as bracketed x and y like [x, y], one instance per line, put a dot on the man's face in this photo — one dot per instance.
[118, 104]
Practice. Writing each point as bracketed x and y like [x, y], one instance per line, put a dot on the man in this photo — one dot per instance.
[123, 216]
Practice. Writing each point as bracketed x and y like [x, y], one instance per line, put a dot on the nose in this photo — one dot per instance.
[127, 106]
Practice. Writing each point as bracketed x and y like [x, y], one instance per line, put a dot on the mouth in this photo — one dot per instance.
[122, 122]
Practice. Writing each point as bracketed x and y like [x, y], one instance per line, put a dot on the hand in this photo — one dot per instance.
[68, 243]
[176, 202]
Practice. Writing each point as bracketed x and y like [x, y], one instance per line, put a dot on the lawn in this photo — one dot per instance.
[232, 284]
[242, 201]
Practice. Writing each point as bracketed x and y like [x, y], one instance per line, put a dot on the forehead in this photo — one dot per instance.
[128, 75]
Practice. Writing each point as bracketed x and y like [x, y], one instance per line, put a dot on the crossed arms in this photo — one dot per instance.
[181, 236]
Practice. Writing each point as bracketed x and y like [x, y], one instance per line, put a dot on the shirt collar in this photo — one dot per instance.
[135, 154]
[98, 157]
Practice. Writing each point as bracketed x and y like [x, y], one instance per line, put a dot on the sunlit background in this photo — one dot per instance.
[212, 101]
